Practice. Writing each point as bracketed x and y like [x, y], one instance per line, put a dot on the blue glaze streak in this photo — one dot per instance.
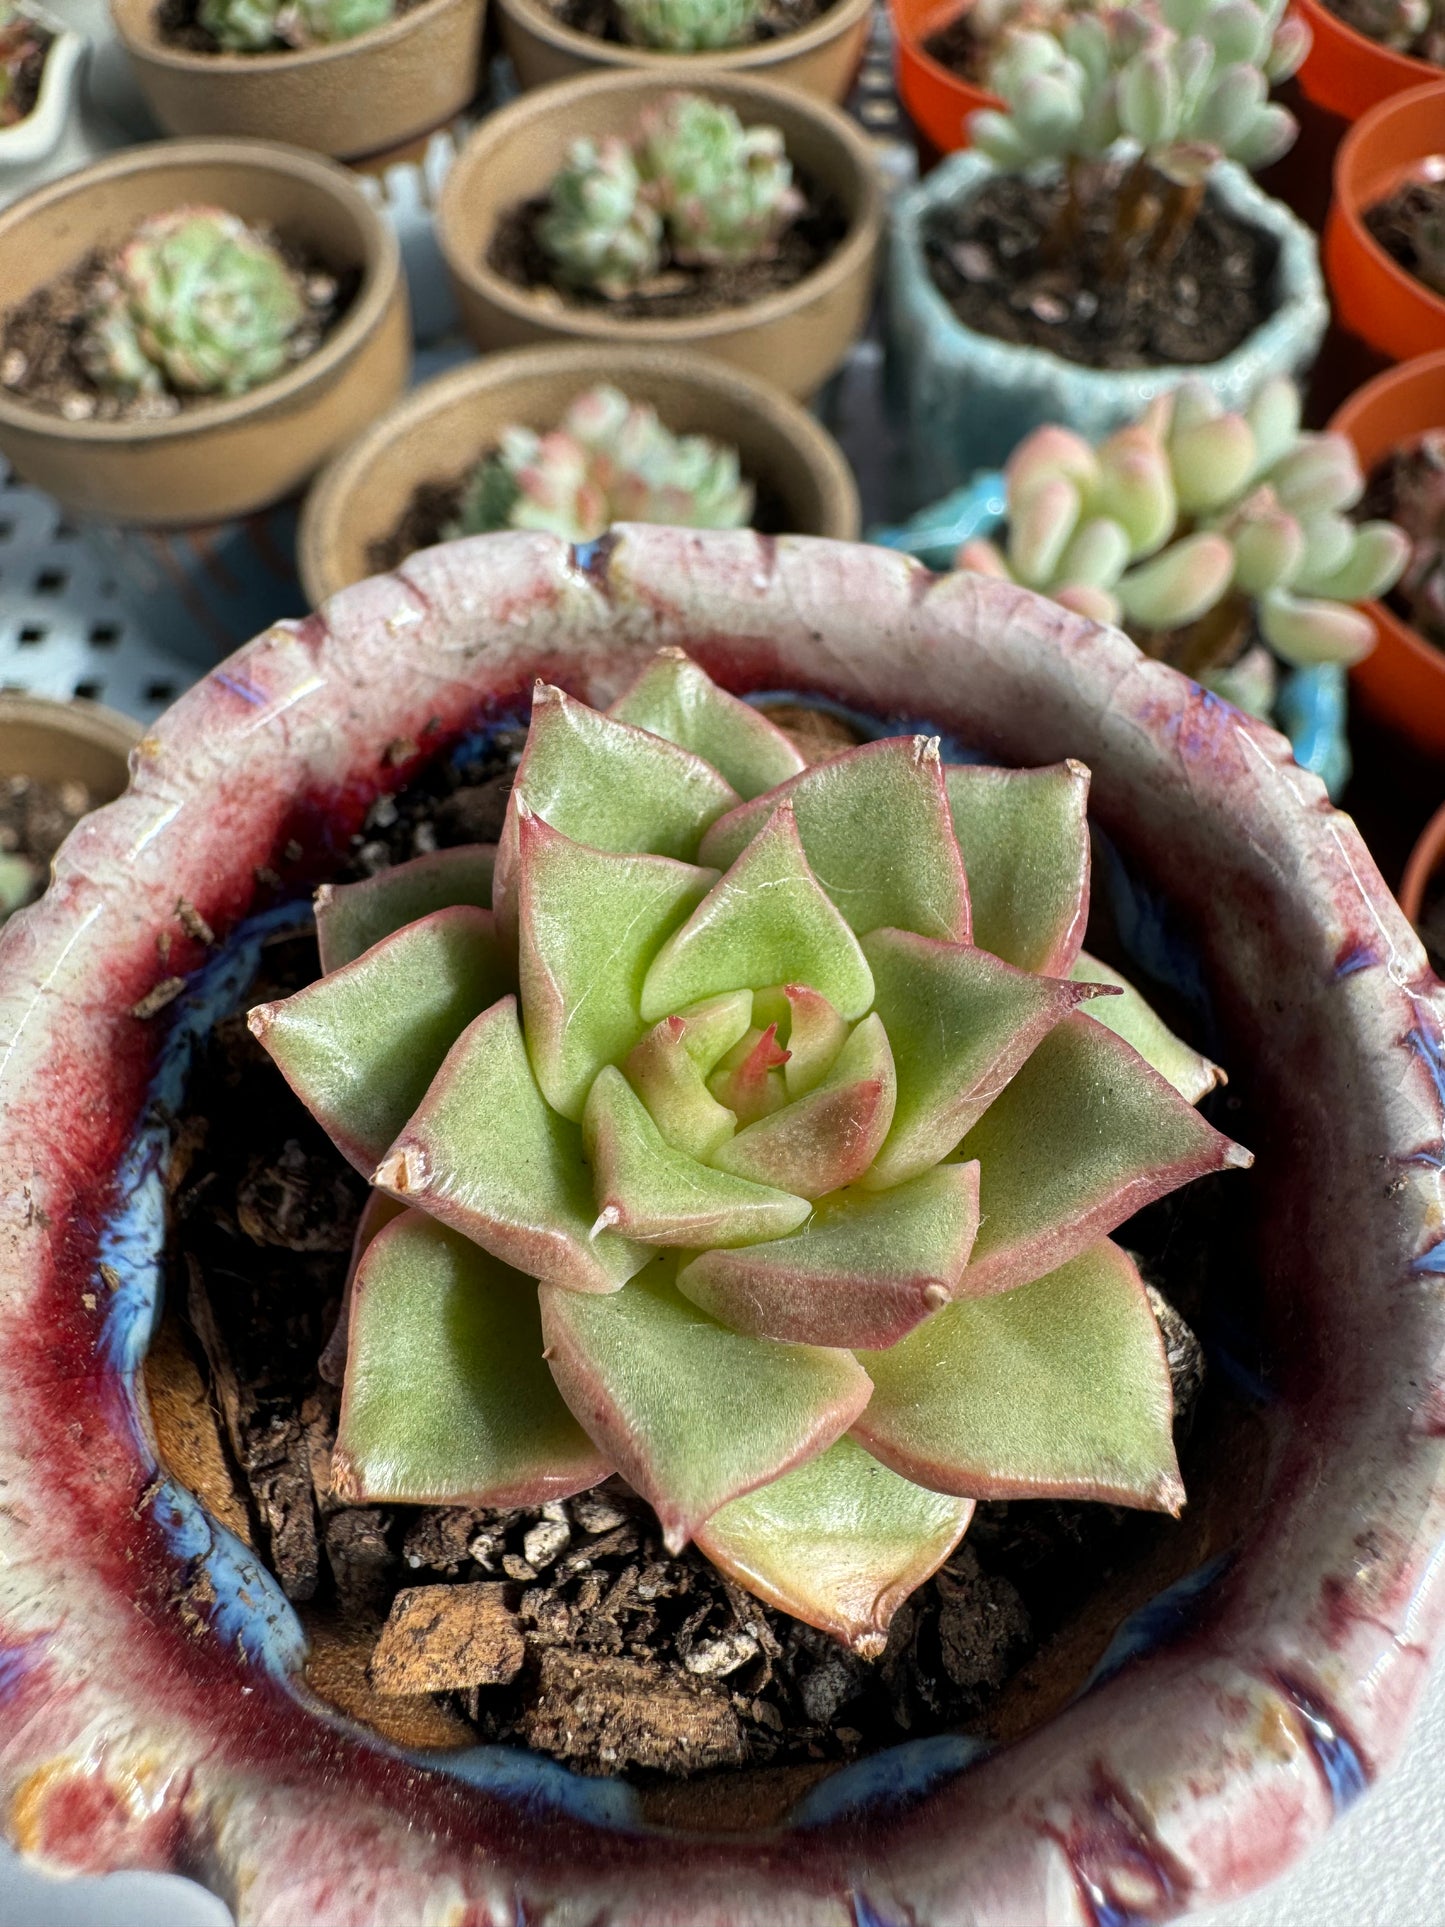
[1360, 958]
[246, 691]
[891, 1778]
[1344, 1771]
[1108, 1913]
[1431, 1053]
[865, 1914]
[16, 1662]
[1164, 1618]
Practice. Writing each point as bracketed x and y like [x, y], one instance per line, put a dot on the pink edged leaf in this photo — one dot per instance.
[665, 1072]
[749, 1077]
[448, 1399]
[1129, 1016]
[648, 1191]
[360, 1047]
[1059, 1389]
[839, 1543]
[810, 1027]
[591, 923]
[376, 1214]
[1025, 840]
[961, 1022]
[830, 1137]
[674, 698]
[691, 1414]
[351, 917]
[876, 828]
[869, 1266]
[1084, 1136]
[608, 785]
[487, 1155]
[766, 922]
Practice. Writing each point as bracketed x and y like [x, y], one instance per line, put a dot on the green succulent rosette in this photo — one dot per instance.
[754, 1131]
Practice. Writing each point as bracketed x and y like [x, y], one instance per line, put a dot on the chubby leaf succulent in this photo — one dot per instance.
[1195, 527]
[197, 303]
[263, 26]
[726, 191]
[689, 26]
[611, 460]
[754, 1131]
[602, 228]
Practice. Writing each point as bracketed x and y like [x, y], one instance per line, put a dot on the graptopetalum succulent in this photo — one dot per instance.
[1200, 529]
[611, 460]
[262, 26]
[754, 1131]
[689, 26]
[196, 302]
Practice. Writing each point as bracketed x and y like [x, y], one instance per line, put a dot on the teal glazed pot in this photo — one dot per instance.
[965, 400]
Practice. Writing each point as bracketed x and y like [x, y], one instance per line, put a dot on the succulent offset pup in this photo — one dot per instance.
[689, 26]
[754, 1131]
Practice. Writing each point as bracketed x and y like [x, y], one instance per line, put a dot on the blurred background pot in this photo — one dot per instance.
[67, 742]
[1346, 73]
[938, 100]
[30, 140]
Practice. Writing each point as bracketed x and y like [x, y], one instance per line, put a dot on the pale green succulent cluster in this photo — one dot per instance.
[1193, 513]
[1185, 81]
[263, 26]
[195, 303]
[696, 186]
[612, 460]
[689, 26]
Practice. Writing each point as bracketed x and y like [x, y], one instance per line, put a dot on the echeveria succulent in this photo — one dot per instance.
[726, 191]
[1198, 525]
[689, 26]
[759, 1130]
[196, 302]
[259, 26]
[602, 228]
[611, 460]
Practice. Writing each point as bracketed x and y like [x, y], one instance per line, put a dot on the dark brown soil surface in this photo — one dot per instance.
[601, 20]
[1400, 221]
[679, 291]
[35, 819]
[1428, 44]
[177, 25]
[964, 52]
[998, 265]
[594, 1643]
[29, 69]
[40, 360]
[1414, 473]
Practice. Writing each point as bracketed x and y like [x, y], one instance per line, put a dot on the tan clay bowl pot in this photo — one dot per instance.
[440, 430]
[794, 339]
[78, 742]
[360, 96]
[821, 59]
[224, 458]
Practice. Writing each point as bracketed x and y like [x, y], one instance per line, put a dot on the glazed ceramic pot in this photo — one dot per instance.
[228, 457]
[152, 1712]
[352, 98]
[1376, 299]
[795, 338]
[937, 100]
[821, 59]
[441, 430]
[35, 137]
[967, 399]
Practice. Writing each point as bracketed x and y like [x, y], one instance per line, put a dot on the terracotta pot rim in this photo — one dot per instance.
[1348, 197]
[153, 48]
[380, 268]
[328, 493]
[1315, 12]
[757, 58]
[95, 724]
[544, 104]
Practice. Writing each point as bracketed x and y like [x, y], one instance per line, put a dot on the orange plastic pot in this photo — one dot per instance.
[1402, 682]
[1346, 73]
[1426, 859]
[937, 100]
[1375, 298]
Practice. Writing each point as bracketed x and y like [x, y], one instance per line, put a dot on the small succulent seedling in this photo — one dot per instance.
[726, 191]
[1195, 527]
[611, 460]
[1414, 27]
[21, 39]
[602, 228]
[759, 1129]
[198, 303]
[689, 26]
[1418, 476]
[259, 26]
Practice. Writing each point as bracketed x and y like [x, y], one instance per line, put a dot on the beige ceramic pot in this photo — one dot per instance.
[228, 457]
[78, 742]
[439, 432]
[358, 97]
[821, 59]
[794, 339]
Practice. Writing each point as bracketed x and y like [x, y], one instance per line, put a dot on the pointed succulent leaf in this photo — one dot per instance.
[591, 923]
[1271, 134]
[1149, 102]
[448, 1399]
[487, 1155]
[768, 921]
[999, 140]
[649, 1191]
[351, 917]
[1040, 526]
[1058, 1389]
[669, 1079]
[376, 1214]
[869, 1266]
[1238, 32]
[1274, 415]
[1231, 105]
[749, 1079]
[839, 1543]
[812, 1030]
[960, 1023]
[1305, 630]
[1319, 473]
[1085, 1135]
[1269, 546]
[1096, 556]
[1131, 1017]
[1136, 488]
[360, 1047]
[855, 814]
[1024, 835]
[829, 1137]
[1178, 586]
[692, 1414]
[1329, 539]
[674, 698]
[1048, 452]
[1212, 462]
[1372, 565]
